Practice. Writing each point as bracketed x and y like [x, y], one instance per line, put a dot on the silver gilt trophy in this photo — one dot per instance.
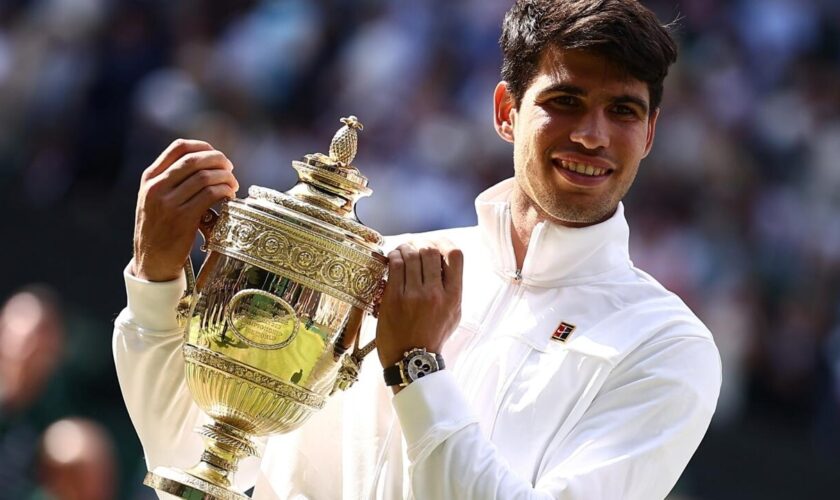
[271, 323]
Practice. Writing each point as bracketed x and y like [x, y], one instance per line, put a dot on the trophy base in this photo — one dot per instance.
[184, 485]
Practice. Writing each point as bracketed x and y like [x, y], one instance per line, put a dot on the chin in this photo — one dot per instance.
[579, 215]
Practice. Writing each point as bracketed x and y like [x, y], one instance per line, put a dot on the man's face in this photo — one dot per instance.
[579, 134]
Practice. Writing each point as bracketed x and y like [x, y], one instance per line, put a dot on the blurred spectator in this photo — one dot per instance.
[31, 345]
[77, 460]
[31, 339]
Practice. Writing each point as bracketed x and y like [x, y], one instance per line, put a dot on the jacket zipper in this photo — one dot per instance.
[503, 298]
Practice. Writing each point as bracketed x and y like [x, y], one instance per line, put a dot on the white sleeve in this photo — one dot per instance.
[633, 441]
[150, 367]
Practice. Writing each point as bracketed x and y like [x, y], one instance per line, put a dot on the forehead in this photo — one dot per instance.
[587, 70]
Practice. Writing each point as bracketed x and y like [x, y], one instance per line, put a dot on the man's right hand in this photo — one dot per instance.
[175, 191]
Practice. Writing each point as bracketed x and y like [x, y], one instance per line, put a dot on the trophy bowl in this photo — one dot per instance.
[271, 317]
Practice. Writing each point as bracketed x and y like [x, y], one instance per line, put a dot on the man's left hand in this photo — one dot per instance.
[421, 304]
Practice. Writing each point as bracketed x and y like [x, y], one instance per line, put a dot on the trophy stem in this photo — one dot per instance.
[212, 478]
[224, 447]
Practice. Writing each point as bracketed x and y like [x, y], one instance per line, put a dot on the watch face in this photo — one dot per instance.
[419, 365]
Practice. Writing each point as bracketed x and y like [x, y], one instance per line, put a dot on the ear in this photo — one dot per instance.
[651, 132]
[504, 113]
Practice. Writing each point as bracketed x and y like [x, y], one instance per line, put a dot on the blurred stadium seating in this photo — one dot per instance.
[737, 208]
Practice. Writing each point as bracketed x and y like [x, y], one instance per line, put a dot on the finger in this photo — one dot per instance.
[413, 266]
[198, 181]
[192, 163]
[396, 274]
[177, 149]
[453, 269]
[431, 261]
[206, 198]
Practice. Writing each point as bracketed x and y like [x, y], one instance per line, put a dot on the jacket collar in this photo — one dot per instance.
[556, 254]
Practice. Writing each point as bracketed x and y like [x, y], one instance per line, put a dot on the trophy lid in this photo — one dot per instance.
[327, 190]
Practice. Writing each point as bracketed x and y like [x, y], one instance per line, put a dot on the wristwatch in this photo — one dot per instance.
[416, 363]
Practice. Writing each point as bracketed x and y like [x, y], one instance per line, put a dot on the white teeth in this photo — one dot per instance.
[582, 168]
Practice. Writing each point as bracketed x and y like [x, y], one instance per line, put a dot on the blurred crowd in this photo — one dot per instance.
[737, 209]
[44, 453]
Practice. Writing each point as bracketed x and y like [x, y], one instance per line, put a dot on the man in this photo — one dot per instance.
[569, 373]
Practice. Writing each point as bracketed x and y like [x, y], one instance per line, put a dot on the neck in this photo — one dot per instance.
[524, 215]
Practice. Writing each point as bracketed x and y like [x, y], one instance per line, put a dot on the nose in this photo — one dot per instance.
[590, 131]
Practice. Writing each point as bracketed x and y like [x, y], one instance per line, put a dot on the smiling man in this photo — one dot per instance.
[529, 358]
[583, 125]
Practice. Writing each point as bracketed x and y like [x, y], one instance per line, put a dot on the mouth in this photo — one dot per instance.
[582, 173]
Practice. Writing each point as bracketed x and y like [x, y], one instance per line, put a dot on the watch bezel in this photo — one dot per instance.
[410, 371]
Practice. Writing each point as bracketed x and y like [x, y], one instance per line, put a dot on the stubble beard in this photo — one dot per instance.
[556, 206]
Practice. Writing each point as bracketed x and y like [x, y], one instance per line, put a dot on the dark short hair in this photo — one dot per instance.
[624, 31]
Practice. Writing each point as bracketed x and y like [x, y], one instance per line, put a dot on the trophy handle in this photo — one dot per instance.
[205, 228]
[351, 364]
[377, 297]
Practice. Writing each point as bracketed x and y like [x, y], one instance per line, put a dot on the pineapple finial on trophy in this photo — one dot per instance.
[345, 141]
[330, 181]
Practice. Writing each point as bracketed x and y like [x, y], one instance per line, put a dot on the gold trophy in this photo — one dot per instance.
[271, 317]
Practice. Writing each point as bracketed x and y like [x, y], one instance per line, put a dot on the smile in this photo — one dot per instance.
[582, 168]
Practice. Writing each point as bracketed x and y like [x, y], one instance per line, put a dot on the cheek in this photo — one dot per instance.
[632, 145]
[532, 142]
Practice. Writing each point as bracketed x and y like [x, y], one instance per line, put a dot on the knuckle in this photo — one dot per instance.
[204, 176]
[396, 265]
[430, 252]
[221, 157]
[180, 146]
[190, 159]
[153, 190]
[147, 173]
[182, 143]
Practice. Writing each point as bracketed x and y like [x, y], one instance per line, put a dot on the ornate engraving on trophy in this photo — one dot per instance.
[261, 319]
[286, 249]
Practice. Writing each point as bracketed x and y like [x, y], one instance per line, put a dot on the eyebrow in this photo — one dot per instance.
[566, 88]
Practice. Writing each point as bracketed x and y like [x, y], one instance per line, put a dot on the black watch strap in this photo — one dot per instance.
[393, 374]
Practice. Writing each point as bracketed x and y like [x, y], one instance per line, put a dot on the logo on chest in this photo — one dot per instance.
[563, 331]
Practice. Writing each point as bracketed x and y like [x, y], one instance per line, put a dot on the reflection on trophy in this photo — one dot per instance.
[274, 312]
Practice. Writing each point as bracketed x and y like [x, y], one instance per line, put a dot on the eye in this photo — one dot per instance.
[565, 100]
[621, 109]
